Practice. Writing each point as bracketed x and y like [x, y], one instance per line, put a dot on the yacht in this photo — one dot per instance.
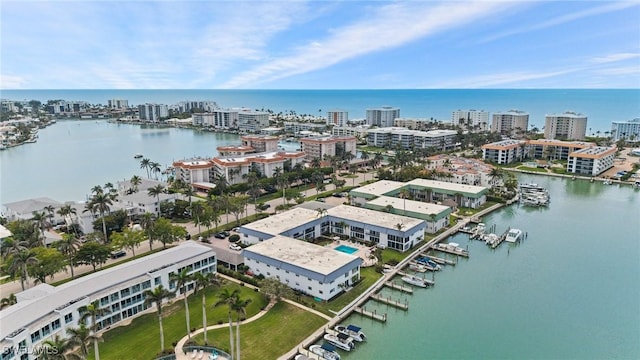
[341, 341]
[417, 267]
[352, 331]
[428, 263]
[514, 235]
[414, 280]
[325, 351]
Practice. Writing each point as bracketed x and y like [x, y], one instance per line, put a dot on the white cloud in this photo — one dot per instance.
[518, 78]
[620, 71]
[388, 27]
[12, 81]
[615, 58]
[609, 7]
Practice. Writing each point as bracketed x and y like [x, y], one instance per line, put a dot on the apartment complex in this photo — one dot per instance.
[191, 106]
[118, 104]
[45, 311]
[460, 170]
[153, 112]
[414, 124]
[503, 152]
[320, 147]
[321, 272]
[382, 116]
[337, 117]
[392, 137]
[471, 119]
[245, 120]
[566, 126]
[233, 168]
[591, 161]
[298, 127]
[510, 123]
[628, 130]
[359, 131]
[260, 143]
[250, 121]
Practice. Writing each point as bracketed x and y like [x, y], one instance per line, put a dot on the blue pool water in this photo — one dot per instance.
[346, 249]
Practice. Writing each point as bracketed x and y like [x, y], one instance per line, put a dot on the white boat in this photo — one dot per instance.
[387, 268]
[341, 341]
[301, 357]
[325, 351]
[417, 267]
[514, 235]
[491, 239]
[352, 331]
[414, 280]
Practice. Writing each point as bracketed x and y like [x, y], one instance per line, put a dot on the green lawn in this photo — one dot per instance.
[275, 333]
[141, 339]
[532, 169]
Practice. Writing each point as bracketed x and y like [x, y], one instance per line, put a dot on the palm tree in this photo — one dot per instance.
[156, 191]
[50, 209]
[68, 210]
[240, 307]
[93, 311]
[404, 194]
[19, 264]
[197, 210]
[188, 191]
[8, 301]
[61, 349]
[157, 296]
[135, 181]
[155, 167]
[144, 164]
[228, 297]
[11, 246]
[101, 203]
[202, 281]
[40, 219]
[68, 246]
[81, 337]
[147, 223]
[495, 174]
[182, 279]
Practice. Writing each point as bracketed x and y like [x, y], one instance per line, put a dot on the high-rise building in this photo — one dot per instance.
[118, 104]
[471, 119]
[566, 126]
[250, 121]
[153, 112]
[337, 117]
[510, 123]
[382, 116]
[628, 130]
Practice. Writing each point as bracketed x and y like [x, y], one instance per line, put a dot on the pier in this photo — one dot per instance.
[429, 282]
[373, 315]
[400, 287]
[500, 239]
[450, 250]
[439, 260]
[391, 302]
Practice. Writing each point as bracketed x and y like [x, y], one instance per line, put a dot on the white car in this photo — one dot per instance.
[235, 247]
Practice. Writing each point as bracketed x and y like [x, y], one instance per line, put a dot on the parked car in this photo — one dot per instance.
[235, 247]
[219, 236]
[118, 254]
[226, 233]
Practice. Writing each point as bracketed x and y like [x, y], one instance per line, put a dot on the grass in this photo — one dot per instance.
[275, 333]
[528, 168]
[141, 338]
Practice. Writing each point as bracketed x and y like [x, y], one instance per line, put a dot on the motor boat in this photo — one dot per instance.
[352, 331]
[341, 341]
[325, 351]
[514, 235]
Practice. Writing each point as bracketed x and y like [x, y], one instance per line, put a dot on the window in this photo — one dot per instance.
[35, 336]
[309, 287]
[146, 284]
[157, 281]
[46, 330]
[68, 318]
[55, 324]
[104, 301]
[115, 296]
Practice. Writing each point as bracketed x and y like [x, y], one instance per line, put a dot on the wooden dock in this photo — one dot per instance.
[448, 250]
[439, 260]
[429, 282]
[400, 287]
[500, 239]
[391, 302]
[369, 314]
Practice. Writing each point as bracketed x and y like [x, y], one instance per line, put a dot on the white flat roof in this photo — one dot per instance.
[279, 223]
[319, 259]
[447, 186]
[373, 217]
[380, 187]
[409, 205]
[27, 312]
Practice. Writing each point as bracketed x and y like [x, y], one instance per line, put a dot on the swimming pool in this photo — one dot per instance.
[346, 249]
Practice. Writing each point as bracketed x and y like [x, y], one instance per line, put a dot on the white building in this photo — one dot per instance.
[409, 139]
[261, 143]
[628, 130]
[461, 170]
[153, 112]
[45, 311]
[510, 123]
[504, 152]
[298, 127]
[591, 161]
[415, 124]
[382, 116]
[566, 126]
[471, 119]
[250, 121]
[321, 147]
[234, 167]
[356, 222]
[359, 131]
[321, 272]
[188, 106]
[118, 104]
[337, 117]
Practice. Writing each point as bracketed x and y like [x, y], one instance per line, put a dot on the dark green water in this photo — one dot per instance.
[571, 290]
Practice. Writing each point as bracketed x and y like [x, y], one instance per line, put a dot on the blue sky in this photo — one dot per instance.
[319, 44]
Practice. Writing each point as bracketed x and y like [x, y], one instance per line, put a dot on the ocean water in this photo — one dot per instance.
[601, 106]
[569, 291]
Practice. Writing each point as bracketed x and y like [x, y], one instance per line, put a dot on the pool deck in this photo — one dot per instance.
[364, 252]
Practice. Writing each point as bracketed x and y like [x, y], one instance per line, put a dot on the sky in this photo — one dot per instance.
[319, 44]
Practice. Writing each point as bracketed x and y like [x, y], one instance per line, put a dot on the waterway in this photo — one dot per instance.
[569, 291]
[72, 156]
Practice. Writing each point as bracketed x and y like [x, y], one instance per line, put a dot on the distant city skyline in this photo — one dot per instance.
[318, 44]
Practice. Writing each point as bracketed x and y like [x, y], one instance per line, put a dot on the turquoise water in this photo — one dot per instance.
[346, 249]
[602, 106]
[569, 291]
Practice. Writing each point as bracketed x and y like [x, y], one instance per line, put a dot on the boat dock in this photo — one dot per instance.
[391, 302]
[453, 251]
[428, 282]
[439, 260]
[500, 239]
[400, 287]
[373, 315]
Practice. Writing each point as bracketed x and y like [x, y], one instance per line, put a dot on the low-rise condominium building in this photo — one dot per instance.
[591, 161]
